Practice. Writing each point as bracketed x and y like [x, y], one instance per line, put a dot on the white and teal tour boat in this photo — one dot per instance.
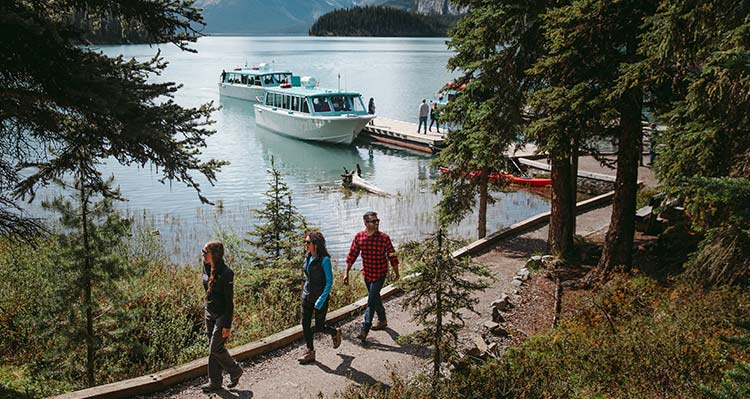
[312, 113]
[248, 83]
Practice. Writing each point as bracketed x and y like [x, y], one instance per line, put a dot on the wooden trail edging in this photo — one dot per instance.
[165, 378]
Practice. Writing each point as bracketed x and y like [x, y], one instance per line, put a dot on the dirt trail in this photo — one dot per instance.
[278, 375]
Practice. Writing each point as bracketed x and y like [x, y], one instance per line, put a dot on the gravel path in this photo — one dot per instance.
[278, 375]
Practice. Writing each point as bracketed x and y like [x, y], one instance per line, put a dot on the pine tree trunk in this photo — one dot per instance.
[562, 218]
[618, 247]
[437, 358]
[87, 300]
[483, 193]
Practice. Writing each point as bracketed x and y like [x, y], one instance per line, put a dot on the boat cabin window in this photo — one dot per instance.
[320, 104]
[257, 81]
[285, 102]
[277, 100]
[305, 106]
[357, 103]
[340, 103]
[295, 103]
[267, 80]
[282, 78]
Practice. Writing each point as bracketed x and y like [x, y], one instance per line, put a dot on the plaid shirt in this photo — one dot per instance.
[376, 250]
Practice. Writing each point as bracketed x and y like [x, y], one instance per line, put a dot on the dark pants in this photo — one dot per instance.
[374, 303]
[437, 124]
[422, 120]
[308, 309]
[219, 358]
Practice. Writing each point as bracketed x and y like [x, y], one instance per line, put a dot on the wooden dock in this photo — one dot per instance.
[404, 134]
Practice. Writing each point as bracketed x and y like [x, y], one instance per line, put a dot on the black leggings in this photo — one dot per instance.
[308, 308]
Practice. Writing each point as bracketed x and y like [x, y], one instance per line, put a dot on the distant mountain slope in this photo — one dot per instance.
[380, 21]
[248, 17]
[265, 16]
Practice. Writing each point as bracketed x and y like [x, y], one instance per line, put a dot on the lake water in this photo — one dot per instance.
[398, 73]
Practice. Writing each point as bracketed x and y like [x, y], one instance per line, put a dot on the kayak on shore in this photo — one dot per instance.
[510, 178]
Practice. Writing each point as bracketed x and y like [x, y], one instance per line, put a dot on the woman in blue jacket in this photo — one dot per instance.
[318, 283]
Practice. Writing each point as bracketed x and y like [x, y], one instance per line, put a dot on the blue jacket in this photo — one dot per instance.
[318, 280]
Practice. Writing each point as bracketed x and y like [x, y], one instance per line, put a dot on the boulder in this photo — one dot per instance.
[497, 317]
[503, 303]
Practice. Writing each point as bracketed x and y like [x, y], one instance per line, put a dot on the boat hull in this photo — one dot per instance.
[341, 129]
[243, 92]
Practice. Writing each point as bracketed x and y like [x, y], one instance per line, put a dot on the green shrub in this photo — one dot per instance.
[633, 338]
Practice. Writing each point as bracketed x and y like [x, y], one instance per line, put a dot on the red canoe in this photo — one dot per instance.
[528, 181]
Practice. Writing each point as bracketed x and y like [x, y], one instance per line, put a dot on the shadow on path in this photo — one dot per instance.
[521, 247]
[345, 369]
[234, 394]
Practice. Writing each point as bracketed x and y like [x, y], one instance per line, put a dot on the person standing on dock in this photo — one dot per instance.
[318, 283]
[424, 110]
[218, 282]
[434, 114]
[377, 251]
[371, 109]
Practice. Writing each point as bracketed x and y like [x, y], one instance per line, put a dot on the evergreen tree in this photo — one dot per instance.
[59, 98]
[438, 288]
[90, 236]
[699, 70]
[589, 44]
[281, 228]
[494, 43]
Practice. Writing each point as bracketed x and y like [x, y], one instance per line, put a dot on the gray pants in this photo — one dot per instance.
[219, 358]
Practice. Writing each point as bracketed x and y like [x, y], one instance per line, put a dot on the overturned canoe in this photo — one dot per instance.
[527, 181]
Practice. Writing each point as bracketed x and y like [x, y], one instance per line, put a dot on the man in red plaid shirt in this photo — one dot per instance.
[377, 250]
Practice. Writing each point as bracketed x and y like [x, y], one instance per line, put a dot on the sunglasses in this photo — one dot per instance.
[374, 221]
[308, 242]
[203, 252]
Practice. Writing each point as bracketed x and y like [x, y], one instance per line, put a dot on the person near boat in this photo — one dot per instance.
[434, 115]
[424, 110]
[377, 251]
[218, 283]
[318, 283]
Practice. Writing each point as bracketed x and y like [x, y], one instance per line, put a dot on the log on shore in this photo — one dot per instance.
[353, 181]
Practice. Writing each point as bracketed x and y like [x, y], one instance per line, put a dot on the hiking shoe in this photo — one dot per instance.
[308, 357]
[210, 387]
[380, 325]
[233, 381]
[362, 336]
[337, 339]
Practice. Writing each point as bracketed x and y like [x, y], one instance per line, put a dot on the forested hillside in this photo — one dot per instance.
[107, 29]
[380, 21]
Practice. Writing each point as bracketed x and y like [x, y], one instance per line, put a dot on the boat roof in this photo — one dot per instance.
[256, 72]
[311, 91]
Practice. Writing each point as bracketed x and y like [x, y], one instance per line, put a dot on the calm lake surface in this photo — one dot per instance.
[398, 73]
